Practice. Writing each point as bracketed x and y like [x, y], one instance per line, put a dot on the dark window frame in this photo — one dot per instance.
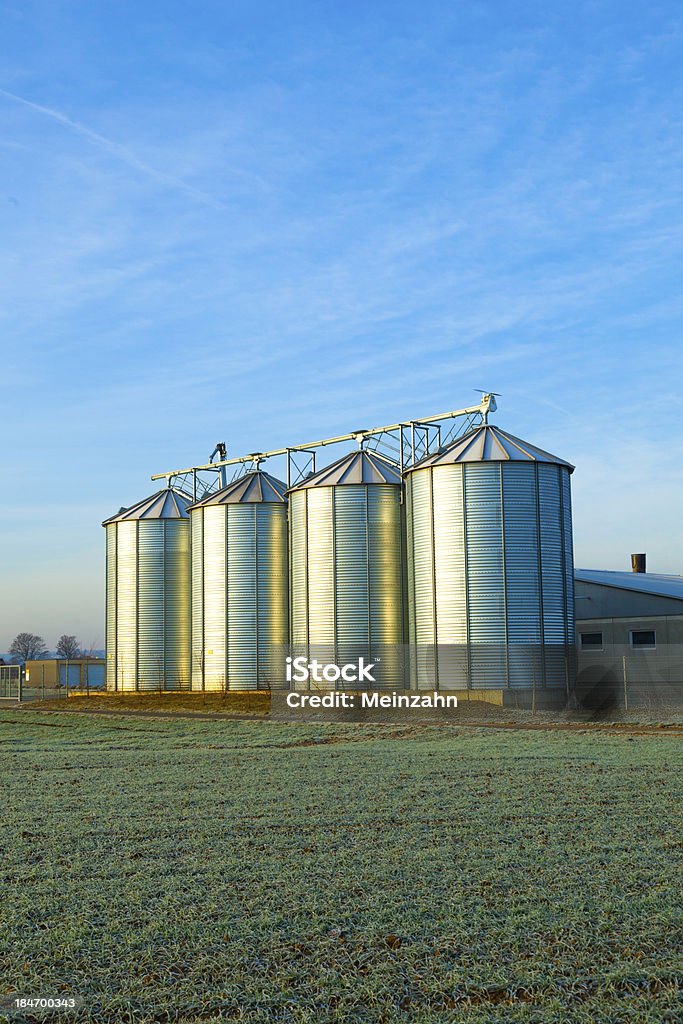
[592, 647]
[642, 646]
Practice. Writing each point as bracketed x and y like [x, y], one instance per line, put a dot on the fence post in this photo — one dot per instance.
[623, 660]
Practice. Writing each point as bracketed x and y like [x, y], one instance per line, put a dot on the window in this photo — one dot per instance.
[591, 641]
[643, 639]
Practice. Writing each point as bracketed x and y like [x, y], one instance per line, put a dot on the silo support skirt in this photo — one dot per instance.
[513, 666]
[483, 666]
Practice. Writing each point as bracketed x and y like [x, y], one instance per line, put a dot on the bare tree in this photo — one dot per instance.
[26, 647]
[68, 647]
[200, 662]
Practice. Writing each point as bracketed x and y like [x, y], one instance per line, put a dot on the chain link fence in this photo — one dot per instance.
[51, 679]
[11, 682]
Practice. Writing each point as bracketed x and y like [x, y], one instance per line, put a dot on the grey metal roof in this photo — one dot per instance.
[170, 503]
[488, 443]
[360, 467]
[256, 486]
[643, 582]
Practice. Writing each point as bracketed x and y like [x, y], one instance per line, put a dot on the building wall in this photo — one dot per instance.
[41, 670]
[51, 672]
[595, 601]
[629, 673]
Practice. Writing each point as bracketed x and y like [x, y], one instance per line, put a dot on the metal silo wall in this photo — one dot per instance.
[320, 556]
[421, 591]
[163, 604]
[151, 572]
[522, 575]
[385, 578]
[176, 611]
[490, 574]
[311, 552]
[239, 580]
[242, 607]
[423, 562]
[110, 613]
[273, 594]
[450, 577]
[346, 575]
[568, 555]
[410, 576]
[298, 567]
[126, 606]
[570, 639]
[485, 575]
[554, 590]
[213, 556]
[351, 571]
[148, 605]
[197, 582]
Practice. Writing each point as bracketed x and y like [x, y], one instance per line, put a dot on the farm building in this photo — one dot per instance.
[54, 673]
[629, 629]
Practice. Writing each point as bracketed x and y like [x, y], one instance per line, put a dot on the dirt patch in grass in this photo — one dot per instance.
[255, 704]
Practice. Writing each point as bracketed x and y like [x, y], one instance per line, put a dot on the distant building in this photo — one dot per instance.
[629, 634]
[54, 673]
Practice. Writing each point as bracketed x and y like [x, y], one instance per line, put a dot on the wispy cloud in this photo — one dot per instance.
[117, 150]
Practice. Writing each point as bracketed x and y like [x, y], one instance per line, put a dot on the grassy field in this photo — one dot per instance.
[197, 870]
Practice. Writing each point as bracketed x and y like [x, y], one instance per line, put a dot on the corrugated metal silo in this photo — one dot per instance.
[148, 594]
[239, 586]
[490, 565]
[346, 564]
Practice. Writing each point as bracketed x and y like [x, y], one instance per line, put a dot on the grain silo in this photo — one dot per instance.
[490, 565]
[346, 567]
[148, 594]
[239, 586]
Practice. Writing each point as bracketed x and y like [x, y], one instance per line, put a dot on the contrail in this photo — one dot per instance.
[116, 150]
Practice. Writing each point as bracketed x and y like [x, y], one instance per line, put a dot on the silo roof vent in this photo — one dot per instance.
[361, 467]
[256, 486]
[170, 503]
[489, 443]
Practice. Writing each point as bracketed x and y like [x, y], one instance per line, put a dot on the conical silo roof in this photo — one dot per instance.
[256, 486]
[489, 443]
[169, 503]
[360, 467]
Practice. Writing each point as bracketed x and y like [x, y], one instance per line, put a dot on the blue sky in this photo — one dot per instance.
[271, 222]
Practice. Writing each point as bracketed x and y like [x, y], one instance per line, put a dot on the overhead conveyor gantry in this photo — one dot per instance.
[403, 443]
